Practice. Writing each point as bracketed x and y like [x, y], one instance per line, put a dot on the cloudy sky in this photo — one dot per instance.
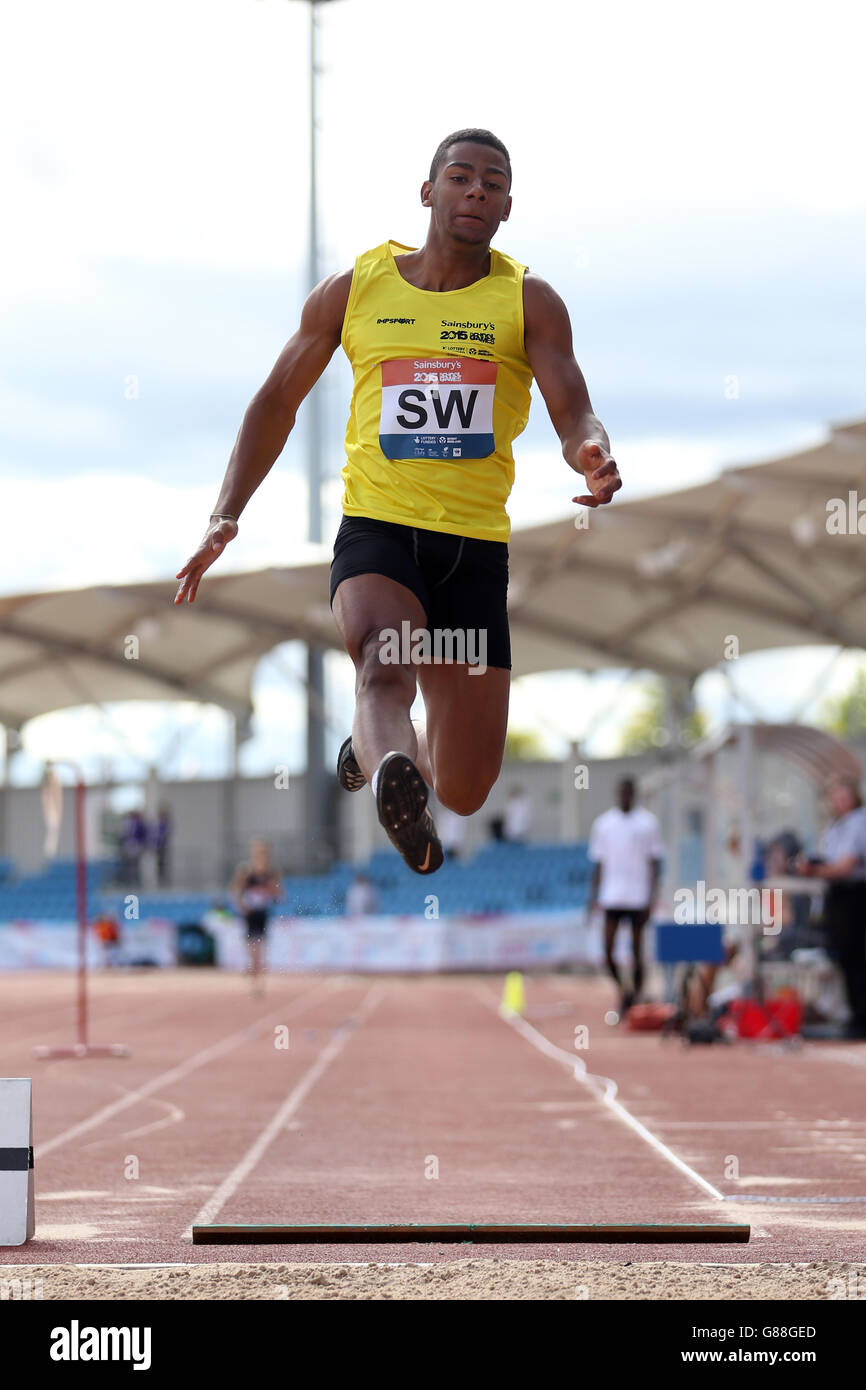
[685, 175]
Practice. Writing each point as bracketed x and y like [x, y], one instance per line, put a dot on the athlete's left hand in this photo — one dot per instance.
[601, 474]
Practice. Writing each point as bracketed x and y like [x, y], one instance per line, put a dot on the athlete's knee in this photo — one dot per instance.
[464, 795]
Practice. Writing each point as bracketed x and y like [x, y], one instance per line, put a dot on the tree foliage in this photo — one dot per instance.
[523, 744]
[646, 730]
[845, 715]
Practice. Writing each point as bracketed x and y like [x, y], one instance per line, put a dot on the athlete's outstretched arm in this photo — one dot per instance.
[585, 445]
[269, 419]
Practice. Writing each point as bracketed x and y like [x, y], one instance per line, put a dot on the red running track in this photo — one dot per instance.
[402, 1100]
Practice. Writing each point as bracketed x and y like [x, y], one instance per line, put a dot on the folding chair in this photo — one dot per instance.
[689, 944]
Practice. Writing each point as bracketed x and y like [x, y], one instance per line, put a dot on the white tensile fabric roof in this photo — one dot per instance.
[660, 583]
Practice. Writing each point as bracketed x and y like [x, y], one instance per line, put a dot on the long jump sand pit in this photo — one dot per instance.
[414, 1101]
[468, 1279]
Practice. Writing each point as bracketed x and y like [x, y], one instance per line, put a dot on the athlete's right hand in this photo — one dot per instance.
[216, 538]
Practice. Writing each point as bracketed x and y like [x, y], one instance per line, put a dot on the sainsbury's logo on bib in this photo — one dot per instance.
[437, 408]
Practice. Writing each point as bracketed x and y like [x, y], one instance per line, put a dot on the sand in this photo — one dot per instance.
[473, 1279]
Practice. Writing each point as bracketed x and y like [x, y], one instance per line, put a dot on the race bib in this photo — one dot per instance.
[437, 408]
[256, 898]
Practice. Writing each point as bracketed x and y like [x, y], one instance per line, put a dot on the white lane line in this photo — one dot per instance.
[175, 1116]
[852, 1059]
[198, 1059]
[209, 1265]
[280, 1119]
[821, 1201]
[149, 1266]
[601, 1086]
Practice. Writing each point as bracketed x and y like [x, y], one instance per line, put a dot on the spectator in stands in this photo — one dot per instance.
[132, 845]
[518, 817]
[782, 853]
[842, 865]
[625, 847]
[162, 835]
[361, 896]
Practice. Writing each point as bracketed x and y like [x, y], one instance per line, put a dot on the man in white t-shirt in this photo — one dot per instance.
[626, 849]
[518, 816]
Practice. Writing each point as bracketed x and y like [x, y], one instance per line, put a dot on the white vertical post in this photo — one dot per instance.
[149, 879]
[746, 783]
[17, 1203]
[710, 770]
[570, 819]
[674, 879]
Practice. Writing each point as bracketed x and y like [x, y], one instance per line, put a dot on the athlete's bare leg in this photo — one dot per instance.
[638, 923]
[364, 607]
[467, 719]
[256, 961]
[611, 924]
[460, 752]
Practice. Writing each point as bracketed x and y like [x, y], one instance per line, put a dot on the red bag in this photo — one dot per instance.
[649, 1018]
[779, 1017]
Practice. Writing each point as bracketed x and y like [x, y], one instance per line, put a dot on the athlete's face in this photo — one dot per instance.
[470, 195]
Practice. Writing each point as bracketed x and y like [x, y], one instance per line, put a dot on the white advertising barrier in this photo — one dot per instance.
[17, 1210]
[26, 945]
[498, 941]
[489, 942]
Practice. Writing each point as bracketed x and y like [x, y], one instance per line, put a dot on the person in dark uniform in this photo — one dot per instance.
[843, 867]
[161, 840]
[255, 888]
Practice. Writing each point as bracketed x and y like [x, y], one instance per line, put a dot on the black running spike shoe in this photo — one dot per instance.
[401, 800]
[349, 774]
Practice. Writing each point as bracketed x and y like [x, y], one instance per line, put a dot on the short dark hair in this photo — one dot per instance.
[477, 137]
[851, 783]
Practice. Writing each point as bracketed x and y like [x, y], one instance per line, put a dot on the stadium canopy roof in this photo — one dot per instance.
[660, 583]
[816, 753]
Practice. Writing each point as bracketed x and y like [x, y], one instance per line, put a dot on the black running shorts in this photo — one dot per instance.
[634, 915]
[257, 924]
[461, 582]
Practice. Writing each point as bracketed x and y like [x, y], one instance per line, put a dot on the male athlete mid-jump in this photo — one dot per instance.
[444, 342]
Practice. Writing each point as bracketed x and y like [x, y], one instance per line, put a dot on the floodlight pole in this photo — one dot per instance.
[316, 818]
[82, 1048]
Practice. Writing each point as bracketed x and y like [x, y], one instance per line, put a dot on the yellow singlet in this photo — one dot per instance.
[441, 388]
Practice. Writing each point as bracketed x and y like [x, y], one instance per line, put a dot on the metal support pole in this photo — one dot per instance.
[320, 835]
[314, 464]
[231, 786]
[82, 1048]
[81, 910]
[712, 873]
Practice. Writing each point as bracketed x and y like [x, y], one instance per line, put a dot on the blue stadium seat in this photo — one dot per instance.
[500, 877]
